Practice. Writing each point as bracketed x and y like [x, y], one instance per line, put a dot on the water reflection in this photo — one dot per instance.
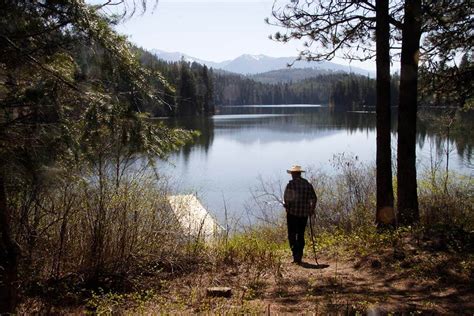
[204, 125]
[461, 134]
[234, 150]
[268, 124]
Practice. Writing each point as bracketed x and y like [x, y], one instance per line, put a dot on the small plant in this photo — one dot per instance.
[101, 303]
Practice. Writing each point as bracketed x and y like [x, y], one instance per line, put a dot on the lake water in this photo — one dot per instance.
[243, 144]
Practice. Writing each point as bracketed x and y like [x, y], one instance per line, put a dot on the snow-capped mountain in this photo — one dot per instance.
[253, 64]
[177, 56]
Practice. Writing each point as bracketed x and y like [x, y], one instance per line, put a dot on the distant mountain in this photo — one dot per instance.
[290, 75]
[177, 56]
[254, 64]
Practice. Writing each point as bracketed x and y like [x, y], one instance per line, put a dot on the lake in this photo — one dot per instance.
[243, 144]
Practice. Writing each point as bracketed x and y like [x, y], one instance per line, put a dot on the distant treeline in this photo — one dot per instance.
[190, 89]
[199, 89]
[196, 90]
[191, 93]
[340, 90]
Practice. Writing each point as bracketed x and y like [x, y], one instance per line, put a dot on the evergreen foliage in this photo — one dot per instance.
[194, 84]
[341, 90]
[71, 90]
[448, 85]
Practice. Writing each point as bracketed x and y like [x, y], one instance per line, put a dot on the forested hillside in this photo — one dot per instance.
[198, 90]
[289, 75]
[340, 90]
[193, 87]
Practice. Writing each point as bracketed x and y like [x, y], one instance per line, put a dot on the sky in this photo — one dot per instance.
[213, 30]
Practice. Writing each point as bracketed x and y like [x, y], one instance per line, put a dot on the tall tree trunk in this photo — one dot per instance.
[407, 198]
[384, 215]
[8, 257]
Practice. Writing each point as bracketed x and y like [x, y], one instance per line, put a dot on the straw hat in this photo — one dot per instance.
[295, 168]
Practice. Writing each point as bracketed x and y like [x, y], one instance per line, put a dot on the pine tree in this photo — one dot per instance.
[187, 104]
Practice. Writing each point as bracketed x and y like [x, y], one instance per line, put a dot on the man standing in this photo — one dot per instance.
[299, 201]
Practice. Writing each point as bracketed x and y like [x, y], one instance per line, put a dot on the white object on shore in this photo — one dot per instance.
[194, 219]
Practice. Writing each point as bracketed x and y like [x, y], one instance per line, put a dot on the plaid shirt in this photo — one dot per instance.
[300, 198]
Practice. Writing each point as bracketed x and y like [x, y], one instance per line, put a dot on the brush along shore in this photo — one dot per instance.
[103, 247]
[406, 270]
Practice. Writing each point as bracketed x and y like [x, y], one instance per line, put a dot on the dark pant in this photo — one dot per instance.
[296, 226]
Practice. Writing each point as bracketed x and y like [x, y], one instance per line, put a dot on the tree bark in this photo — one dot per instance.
[407, 197]
[384, 214]
[8, 258]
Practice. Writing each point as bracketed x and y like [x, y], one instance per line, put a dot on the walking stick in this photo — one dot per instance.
[312, 239]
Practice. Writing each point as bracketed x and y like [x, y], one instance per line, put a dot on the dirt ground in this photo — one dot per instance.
[334, 286]
[347, 287]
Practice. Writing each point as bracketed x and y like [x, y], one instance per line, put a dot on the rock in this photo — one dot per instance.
[220, 291]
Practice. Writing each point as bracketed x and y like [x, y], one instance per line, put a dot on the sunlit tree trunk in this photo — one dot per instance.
[407, 197]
